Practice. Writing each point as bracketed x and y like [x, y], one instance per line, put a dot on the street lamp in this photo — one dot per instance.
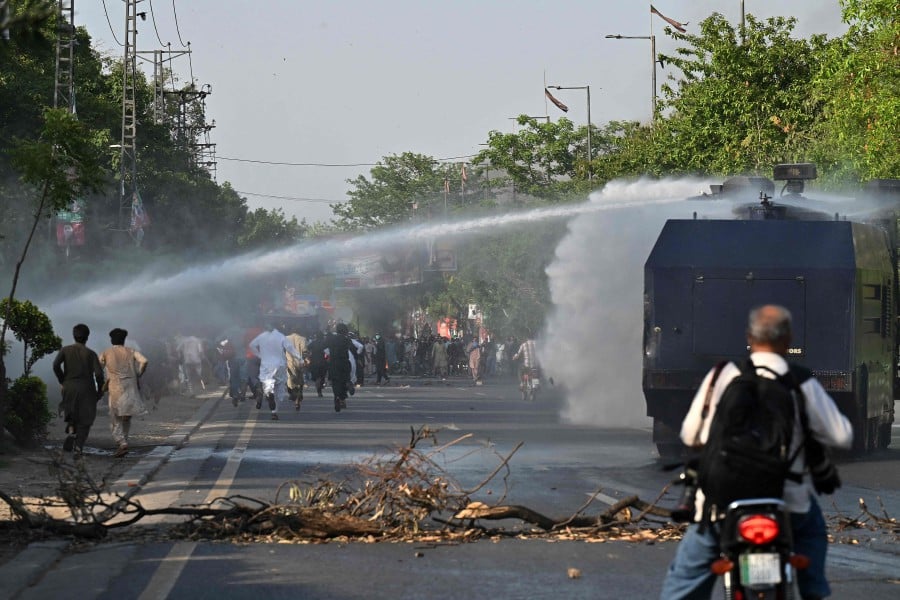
[587, 88]
[652, 39]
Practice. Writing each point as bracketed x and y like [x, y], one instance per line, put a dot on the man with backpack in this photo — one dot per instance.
[818, 422]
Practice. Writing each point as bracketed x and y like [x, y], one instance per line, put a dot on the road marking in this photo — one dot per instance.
[169, 570]
[226, 478]
[603, 498]
[167, 574]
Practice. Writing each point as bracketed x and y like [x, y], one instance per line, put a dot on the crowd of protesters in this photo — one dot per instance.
[273, 362]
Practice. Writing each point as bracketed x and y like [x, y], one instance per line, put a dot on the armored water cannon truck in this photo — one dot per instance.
[837, 277]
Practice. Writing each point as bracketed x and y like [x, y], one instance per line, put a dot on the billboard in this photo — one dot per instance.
[390, 268]
[441, 255]
[70, 225]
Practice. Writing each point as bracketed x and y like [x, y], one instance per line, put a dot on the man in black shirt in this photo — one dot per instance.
[339, 347]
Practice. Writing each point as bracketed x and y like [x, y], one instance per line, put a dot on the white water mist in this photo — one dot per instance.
[592, 342]
[149, 291]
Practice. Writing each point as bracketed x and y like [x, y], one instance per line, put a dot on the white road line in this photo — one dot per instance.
[165, 577]
[169, 570]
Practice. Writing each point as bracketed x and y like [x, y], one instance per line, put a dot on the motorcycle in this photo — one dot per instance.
[531, 383]
[757, 559]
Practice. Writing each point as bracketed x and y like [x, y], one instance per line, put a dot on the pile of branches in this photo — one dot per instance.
[405, 495]
[848, 529]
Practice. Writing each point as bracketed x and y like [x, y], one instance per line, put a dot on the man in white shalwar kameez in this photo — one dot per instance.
[124, 366]
[270, 346]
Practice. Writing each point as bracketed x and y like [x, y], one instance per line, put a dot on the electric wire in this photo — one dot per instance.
[153, 18]
[111, 30]
[293, 198]
[312, 164]
[175, 12]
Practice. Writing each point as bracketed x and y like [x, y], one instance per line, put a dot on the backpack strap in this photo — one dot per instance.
[717, 370]
[793, 379]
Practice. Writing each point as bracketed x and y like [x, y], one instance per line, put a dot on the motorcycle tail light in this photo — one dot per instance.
[758, 529]
[721, 566]
[799, 561]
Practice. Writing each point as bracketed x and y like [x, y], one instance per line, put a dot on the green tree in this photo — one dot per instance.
[33, 328]
[401, 186]
[738, 106]
[28, 419]
[504, 274]
[542, 159]
[59, 165]
[859, 86]
[623, 149]
[268, 228]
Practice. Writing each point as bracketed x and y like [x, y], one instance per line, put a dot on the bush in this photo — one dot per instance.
[28, 414]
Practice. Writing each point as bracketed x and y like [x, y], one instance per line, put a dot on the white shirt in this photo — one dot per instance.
[826, 422]
[270, 347]
[359, 347]
[191, 349]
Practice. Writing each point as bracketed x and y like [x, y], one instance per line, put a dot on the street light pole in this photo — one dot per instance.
[652, 39]
[587, 88]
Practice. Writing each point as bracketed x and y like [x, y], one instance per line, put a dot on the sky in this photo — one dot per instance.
[348, 82]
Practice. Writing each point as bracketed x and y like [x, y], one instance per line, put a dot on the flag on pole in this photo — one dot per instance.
[446, 186]
[672, 22]
[558, 104]
[463, 175]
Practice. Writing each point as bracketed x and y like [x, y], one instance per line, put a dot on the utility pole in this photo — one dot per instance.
[64, 97]
[586, 88]
[159, 60]
[743, 30]
[127, 147]
[204, 153]
[64, 91]
[653, 62]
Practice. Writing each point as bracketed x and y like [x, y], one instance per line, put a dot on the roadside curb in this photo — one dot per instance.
[25, 569]
[28, 566]
[131, 482]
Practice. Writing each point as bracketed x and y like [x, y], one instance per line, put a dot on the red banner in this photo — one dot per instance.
[556, 102]
[672, 22]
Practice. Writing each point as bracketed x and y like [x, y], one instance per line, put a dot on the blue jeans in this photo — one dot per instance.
[689, 576]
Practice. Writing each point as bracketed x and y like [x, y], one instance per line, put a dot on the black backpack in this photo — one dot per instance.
[748, 452]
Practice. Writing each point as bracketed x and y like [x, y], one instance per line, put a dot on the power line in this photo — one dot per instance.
[190, 62]
[111, 30]
[183, 45]
[294, 198]
[153, 18]
[311, 164]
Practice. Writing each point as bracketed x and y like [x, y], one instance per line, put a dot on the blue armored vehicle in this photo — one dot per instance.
[836, 276]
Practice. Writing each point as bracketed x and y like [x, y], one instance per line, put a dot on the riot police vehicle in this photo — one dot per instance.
[837, 276]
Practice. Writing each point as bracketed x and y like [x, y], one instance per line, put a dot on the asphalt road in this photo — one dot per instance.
[556, 469]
